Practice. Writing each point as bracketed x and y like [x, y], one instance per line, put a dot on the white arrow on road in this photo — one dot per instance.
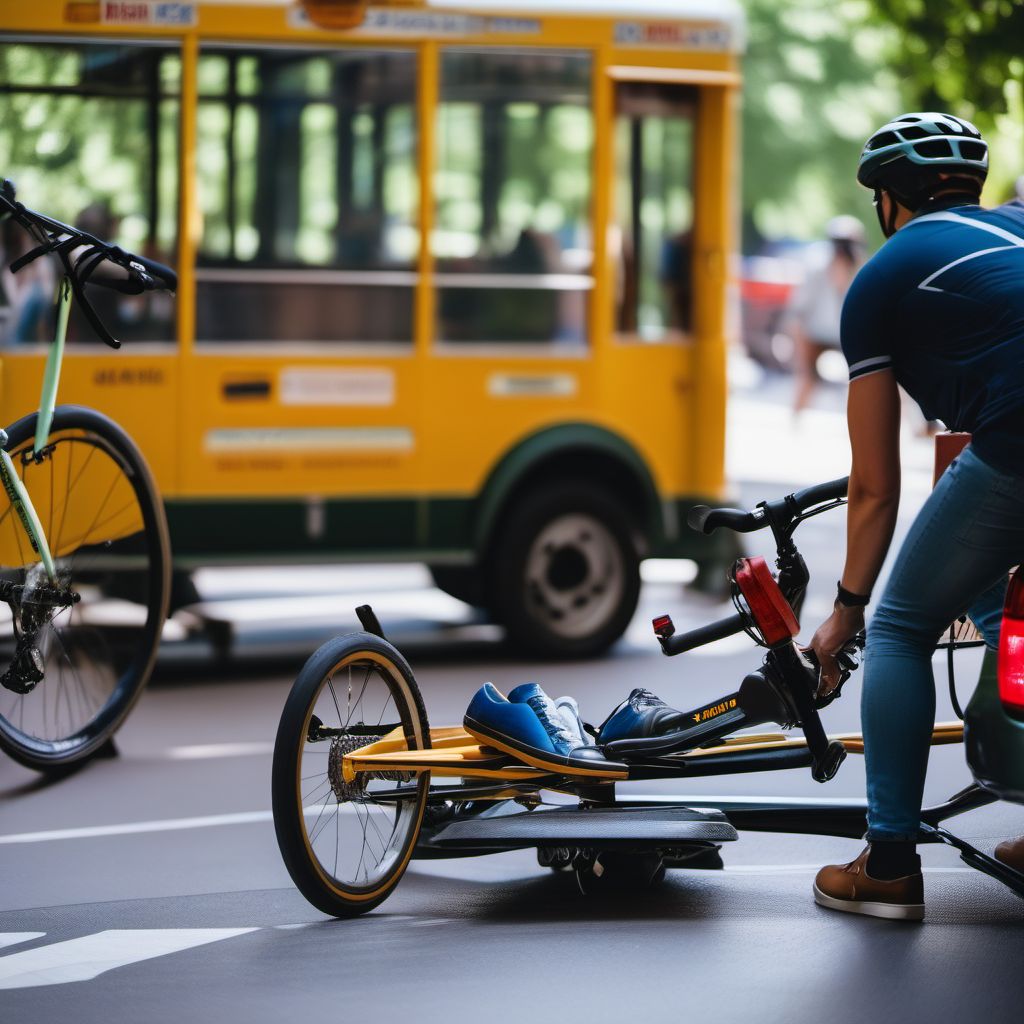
[90, 956]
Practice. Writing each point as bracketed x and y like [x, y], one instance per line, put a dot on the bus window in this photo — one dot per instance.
[89, 133]
[512, 237]
[653, 237]
[308, 192]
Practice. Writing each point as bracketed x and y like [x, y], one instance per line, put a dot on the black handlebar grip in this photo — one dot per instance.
[698, 517]
[707, 520]
[815, 495]
[703, 635]
[162, 273]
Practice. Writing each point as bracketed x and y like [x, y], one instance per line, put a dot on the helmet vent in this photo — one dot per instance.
[934, 148]
[913, 131]
[885, 139]
[972, 150]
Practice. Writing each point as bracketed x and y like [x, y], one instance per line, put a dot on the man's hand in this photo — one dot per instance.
[831, 636]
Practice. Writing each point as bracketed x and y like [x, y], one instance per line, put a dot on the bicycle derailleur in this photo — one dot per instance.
[33, 605]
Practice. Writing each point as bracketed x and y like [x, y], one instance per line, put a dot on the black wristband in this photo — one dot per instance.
[848, 599]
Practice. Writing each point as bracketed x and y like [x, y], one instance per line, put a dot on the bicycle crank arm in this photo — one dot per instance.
[827, 755]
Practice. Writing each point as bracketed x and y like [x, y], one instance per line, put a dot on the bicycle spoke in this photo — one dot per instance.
[359, 699]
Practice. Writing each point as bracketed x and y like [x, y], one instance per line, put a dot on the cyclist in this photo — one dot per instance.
[939, 310]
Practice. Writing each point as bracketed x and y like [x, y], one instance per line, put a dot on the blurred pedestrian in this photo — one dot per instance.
[817, 303]
[26, 298]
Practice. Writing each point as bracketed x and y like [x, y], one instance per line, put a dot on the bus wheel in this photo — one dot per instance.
[463, 582]
[566, 571]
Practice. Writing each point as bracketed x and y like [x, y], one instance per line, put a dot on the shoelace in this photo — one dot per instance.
[550, 719]
[641, 699]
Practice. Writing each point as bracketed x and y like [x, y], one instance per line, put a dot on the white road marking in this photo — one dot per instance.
[90, 956]
[169, 825]
[13, 938]
[203, 751]
[135, 827]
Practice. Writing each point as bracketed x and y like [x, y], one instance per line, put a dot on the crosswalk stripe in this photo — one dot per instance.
[90, 956]
[14, 938]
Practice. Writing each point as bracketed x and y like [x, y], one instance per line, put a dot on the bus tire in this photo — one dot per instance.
[565, 576]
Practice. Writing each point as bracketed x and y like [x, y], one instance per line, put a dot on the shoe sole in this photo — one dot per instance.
[541, 759]
[890, 911]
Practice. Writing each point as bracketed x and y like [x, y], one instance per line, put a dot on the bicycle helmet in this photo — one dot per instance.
[913, 153]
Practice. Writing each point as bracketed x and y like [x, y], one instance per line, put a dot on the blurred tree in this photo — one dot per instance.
[966, 56]
[959, 51]
[816, 84]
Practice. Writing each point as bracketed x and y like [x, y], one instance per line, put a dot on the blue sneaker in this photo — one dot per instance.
[530, 726]
[640, 715]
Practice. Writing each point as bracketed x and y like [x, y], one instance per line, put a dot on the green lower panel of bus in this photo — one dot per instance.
[435, 529]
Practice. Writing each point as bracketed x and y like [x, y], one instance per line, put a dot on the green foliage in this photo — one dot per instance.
[959, 52]
[966, 56]
[815, 86]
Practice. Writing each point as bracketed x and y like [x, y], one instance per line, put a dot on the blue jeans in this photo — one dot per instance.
[955, 558]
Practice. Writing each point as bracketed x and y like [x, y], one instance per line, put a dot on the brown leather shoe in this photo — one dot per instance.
[849, 887]
[1011, 853]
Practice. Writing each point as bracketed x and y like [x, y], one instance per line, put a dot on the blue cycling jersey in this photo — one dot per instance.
[941, 304]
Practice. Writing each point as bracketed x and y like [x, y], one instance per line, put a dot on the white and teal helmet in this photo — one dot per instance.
[907, 155]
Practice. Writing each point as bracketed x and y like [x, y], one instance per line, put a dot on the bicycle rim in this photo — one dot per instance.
[75, 655]
[347, 840]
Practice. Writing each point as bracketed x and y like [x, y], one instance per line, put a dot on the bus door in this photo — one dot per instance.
[654, 238]
[303, 377]
[512, 247]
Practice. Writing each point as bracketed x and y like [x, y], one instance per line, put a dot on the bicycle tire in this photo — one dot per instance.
[292, 801]
[103, 446]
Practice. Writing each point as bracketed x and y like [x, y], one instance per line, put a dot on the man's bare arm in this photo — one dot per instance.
[873, 418]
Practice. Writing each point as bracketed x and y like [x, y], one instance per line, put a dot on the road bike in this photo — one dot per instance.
[361, 784]
[84, 550]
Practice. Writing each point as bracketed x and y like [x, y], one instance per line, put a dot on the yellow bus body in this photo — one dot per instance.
[300, 450]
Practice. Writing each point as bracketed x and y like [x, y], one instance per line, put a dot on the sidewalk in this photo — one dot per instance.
[765, 443]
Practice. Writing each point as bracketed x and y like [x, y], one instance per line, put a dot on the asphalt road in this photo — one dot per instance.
[149, 887]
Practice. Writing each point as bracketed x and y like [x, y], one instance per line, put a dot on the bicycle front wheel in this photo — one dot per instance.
[76, 652]
[346, 841]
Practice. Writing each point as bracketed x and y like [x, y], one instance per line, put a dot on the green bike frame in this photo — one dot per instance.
[12, 484]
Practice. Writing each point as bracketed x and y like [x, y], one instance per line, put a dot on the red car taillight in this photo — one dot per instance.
[1011, 647]
[768, 607]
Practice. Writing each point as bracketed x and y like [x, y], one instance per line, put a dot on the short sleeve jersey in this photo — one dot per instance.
[941, 304]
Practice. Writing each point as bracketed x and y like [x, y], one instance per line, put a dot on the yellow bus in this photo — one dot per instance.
[452, 279]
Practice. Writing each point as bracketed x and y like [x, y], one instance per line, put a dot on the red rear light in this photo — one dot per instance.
[663, 627]
[1011, 647]
[769, 608]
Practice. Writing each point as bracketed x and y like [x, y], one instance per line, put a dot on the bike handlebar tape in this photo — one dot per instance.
[703, 635]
